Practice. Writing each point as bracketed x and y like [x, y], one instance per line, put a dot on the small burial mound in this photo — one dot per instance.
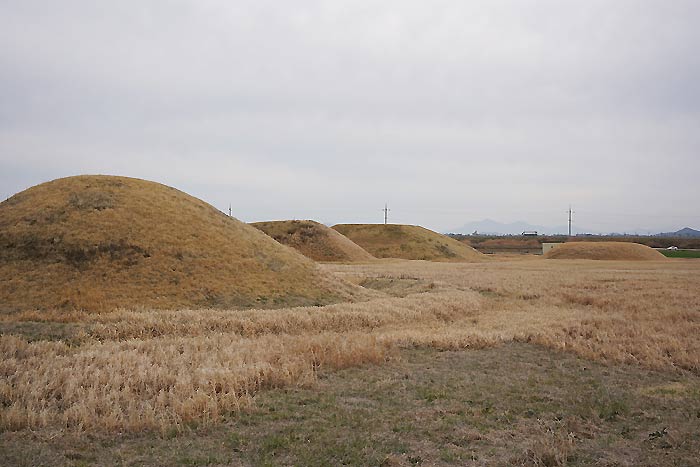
[407, 242]
[314, 240]
[613, 251]
[95, 243]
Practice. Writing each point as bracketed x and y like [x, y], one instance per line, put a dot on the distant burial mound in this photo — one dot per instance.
[100, 242]
[314, 240]
[614, 251]
[407, 242]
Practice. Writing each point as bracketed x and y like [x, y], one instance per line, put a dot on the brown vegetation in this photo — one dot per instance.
[504, 243]
[618, 251]
[512, 404]
[526, 243]
[100, 242]
[314, 240]
[512, 245]
[129, 370]
[407, 242]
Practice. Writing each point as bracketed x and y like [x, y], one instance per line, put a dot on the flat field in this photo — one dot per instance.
[517, 360]
[681, 253]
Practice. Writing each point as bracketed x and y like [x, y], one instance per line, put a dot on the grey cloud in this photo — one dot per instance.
[449, 110]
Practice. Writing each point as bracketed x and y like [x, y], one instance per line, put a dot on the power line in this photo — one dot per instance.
[386, 213]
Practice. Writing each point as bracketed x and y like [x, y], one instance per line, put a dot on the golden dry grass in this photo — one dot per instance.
[160, 369]
[314, 240]
[407, 242]
[100, 242]
[610, 251]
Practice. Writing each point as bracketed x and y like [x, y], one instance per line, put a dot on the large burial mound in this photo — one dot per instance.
[100, 242]
[616, 251]
[314, 240]
[407, 242]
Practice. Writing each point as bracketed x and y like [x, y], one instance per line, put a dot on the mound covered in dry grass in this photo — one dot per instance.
[314, 240]
[618, 251]
[100, 242]
[407, 242]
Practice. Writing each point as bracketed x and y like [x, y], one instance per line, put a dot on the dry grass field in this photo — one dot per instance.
[524, 362]
[407, 242]
[314, 240]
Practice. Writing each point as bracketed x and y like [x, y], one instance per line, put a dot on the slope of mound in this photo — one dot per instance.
[100, 242]
[314, 240]
[407, 242]
[620, 251]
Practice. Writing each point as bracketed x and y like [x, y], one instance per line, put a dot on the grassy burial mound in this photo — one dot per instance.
[614, 251]
[100, 242]
[407, 242]
[314, 240]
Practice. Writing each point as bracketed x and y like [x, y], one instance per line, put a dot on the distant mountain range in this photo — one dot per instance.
[685, 232]
[492, 227]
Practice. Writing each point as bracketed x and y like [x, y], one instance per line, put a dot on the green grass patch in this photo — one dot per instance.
[681, 253]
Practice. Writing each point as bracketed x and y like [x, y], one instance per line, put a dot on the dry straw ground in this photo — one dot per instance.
[314, 240]
[150, 369]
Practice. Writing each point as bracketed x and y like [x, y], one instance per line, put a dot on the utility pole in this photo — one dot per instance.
[570, 212]
[386, 213]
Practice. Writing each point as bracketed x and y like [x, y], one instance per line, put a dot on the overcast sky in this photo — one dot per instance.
[450, 111]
